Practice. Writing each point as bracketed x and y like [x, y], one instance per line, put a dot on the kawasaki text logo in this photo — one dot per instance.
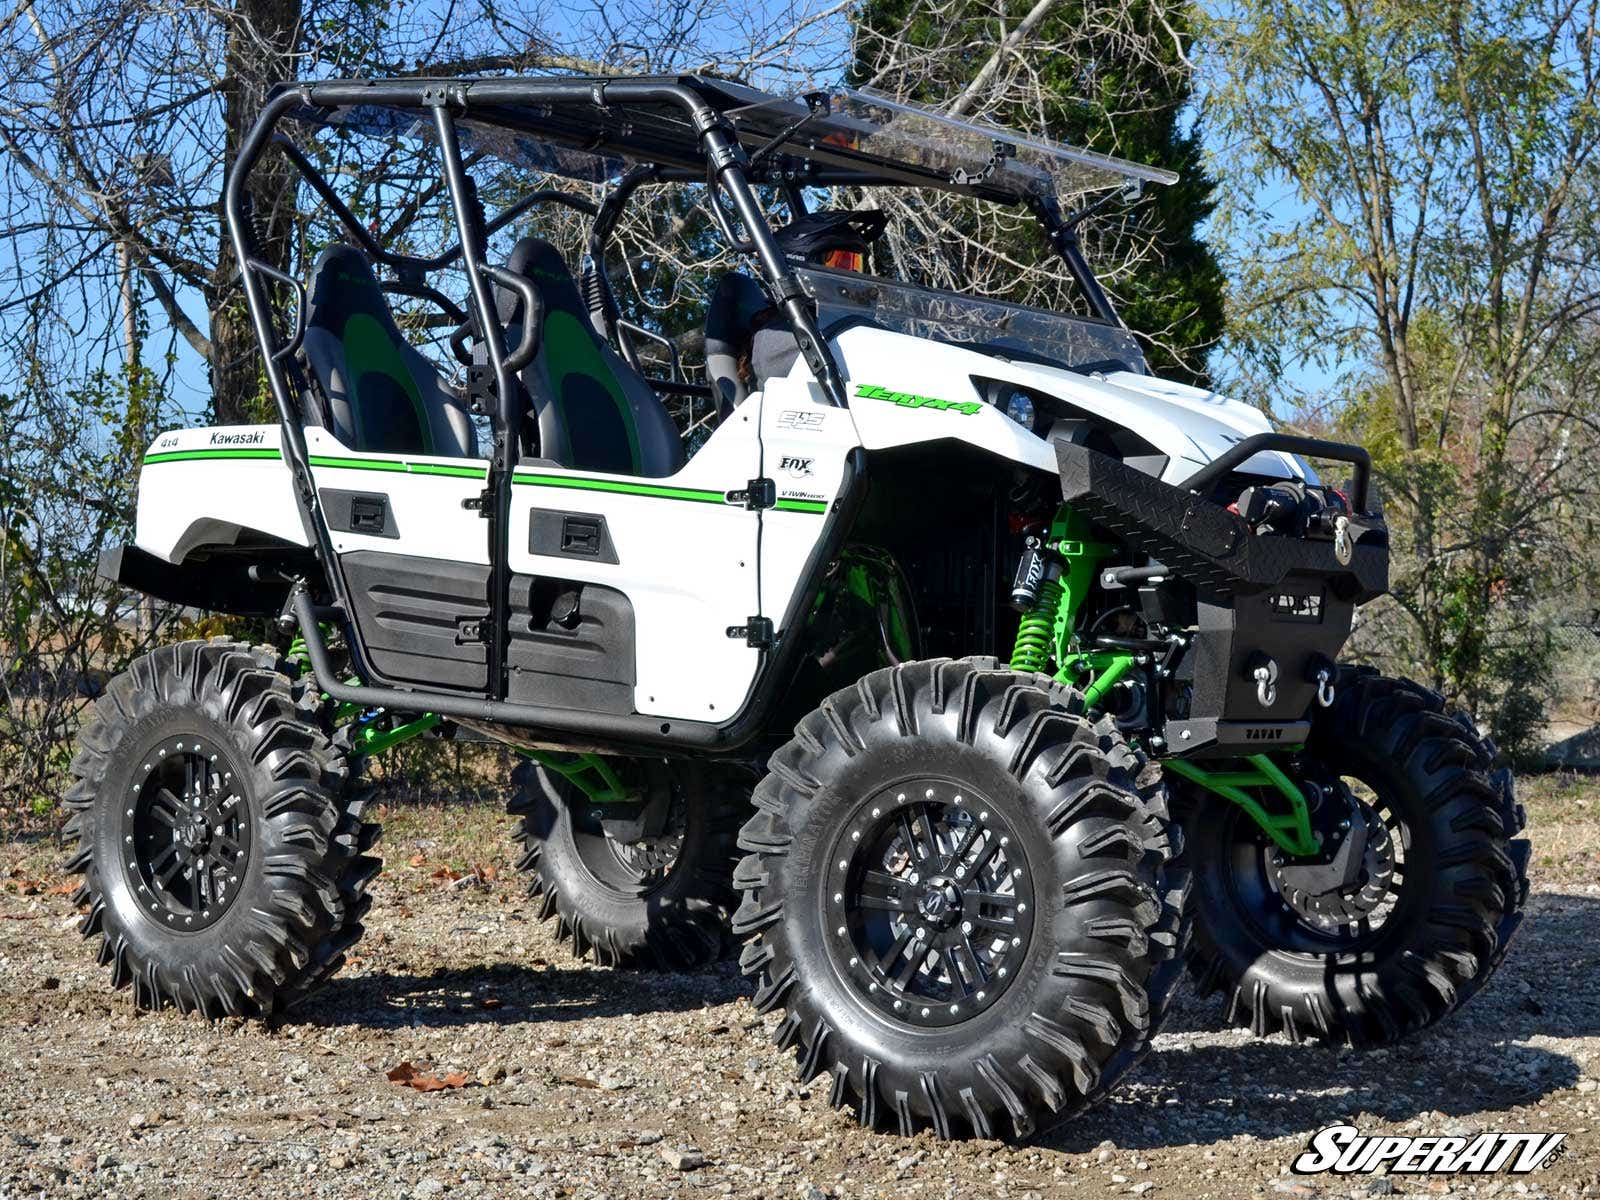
[253, 438]
[1345, 1150]
[872, 391]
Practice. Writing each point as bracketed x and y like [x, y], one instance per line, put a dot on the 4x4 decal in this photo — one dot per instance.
[872, 391]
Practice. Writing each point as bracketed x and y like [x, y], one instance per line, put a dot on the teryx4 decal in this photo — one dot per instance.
[872, 391]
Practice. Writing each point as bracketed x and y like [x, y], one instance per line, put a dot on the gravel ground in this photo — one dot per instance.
[586, 1083]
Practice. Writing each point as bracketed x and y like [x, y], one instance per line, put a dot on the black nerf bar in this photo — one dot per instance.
[1202, 480]
[1208, 546]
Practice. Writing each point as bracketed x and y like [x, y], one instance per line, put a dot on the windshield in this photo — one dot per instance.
[865, 125]
[992, 326]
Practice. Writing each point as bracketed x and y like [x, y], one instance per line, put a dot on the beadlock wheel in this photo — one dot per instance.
[217, 820]
[187, 832]
[661, 900]
[1430, 913]
[931, 899]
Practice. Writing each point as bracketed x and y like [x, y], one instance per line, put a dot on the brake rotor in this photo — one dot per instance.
[1319, 893]
[651, 856]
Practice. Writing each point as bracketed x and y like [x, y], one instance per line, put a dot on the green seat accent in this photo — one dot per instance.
[571, 361]
[370, 355]
[376, 390]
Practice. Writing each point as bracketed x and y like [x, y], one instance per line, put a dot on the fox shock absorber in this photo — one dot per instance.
[1036, 594]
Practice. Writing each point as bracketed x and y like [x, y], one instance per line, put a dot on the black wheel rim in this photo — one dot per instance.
[186, 834]
[1350, 920]
[929, 903]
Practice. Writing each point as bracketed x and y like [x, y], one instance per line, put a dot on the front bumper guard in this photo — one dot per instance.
[1259, 598]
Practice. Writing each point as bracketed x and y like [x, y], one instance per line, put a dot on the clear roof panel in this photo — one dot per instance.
[545, 125]
[477, 137]
[873, 126]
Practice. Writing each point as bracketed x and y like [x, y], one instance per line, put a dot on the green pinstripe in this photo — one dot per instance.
[661, 491]
[577, 482]
[187, 455]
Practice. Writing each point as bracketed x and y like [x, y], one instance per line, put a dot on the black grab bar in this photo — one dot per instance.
[1206, 476]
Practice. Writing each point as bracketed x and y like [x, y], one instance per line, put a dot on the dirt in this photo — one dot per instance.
[557, 1079]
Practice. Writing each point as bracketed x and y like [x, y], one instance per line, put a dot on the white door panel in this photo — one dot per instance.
[425, 499]
[686, 559]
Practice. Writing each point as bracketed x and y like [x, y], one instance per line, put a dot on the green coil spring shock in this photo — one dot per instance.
[1035, 642]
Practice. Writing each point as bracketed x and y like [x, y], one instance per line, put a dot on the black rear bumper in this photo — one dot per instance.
[1290, 600]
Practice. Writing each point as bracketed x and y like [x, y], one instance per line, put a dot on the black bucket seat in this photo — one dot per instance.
[594, 412]
[380, 392]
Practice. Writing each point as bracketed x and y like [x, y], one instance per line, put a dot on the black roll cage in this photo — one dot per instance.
[725, 166]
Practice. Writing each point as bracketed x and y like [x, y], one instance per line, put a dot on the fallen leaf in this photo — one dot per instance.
[446, 875]
[417, 860]
[63, 889]
[488, 874]
[581, 1081]
[409, 1076]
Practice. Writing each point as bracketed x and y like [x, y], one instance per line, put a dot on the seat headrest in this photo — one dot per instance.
[536, 259]
[342, 285]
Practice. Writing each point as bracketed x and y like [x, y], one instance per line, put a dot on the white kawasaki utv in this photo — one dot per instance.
[1032, 653]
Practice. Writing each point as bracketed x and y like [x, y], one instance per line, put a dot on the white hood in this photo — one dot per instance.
[1188, 425]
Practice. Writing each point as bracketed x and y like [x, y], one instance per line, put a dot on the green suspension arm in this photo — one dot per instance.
[1291, 830]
